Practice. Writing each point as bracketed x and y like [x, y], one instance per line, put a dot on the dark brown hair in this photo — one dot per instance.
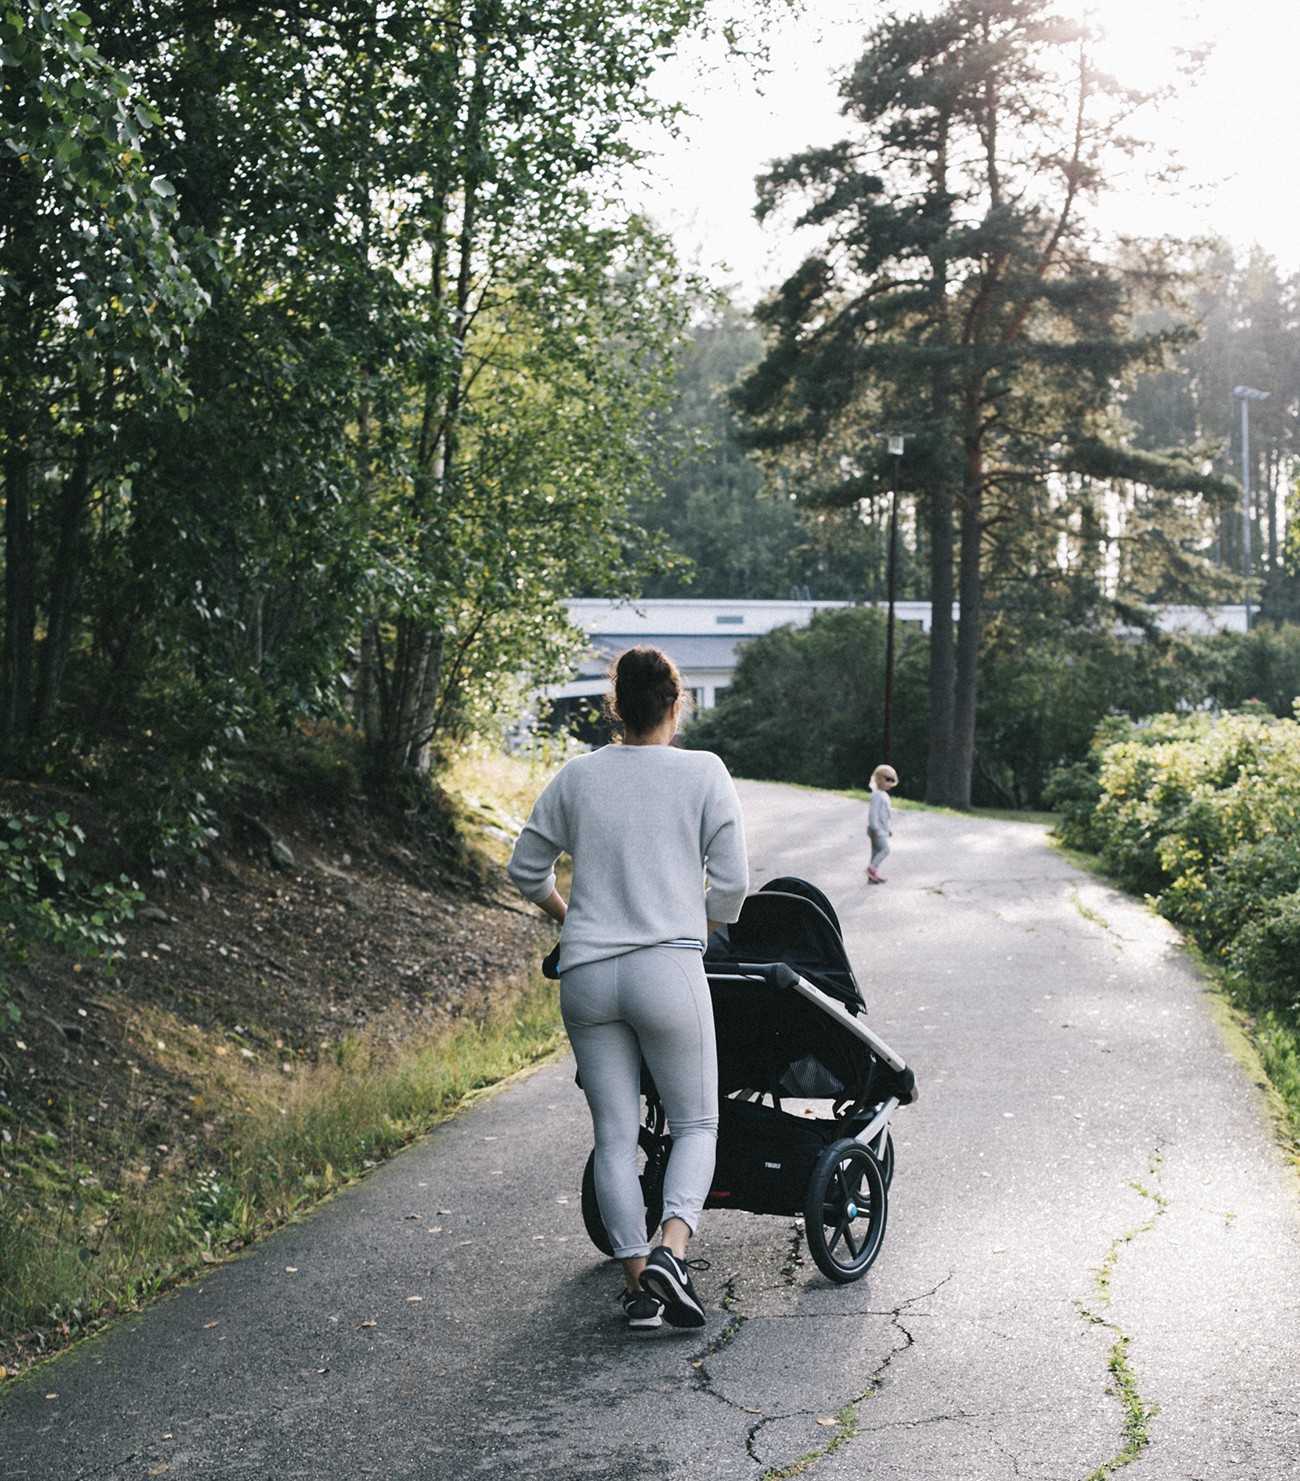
[646, 686]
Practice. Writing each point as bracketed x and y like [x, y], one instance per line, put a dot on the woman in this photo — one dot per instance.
[641, 821]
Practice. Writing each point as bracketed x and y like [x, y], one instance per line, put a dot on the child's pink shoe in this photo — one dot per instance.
[874, 877]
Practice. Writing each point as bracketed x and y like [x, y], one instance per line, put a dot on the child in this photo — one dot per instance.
[883, 781]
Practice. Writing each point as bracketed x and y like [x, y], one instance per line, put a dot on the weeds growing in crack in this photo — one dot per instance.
[846, 1422]
[1087, 912]
[1136, 1412]
[735, 1320]
[792, 1267]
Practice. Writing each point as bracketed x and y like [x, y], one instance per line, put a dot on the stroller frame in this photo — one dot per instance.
[833, 1169]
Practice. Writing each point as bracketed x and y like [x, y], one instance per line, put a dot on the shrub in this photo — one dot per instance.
[1267, 953]
[45, 898]
[1202, 813]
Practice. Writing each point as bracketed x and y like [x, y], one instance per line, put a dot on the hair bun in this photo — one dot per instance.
[647, 685]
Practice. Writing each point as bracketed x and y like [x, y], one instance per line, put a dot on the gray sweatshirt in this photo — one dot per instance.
[641, 824]
[879, 812]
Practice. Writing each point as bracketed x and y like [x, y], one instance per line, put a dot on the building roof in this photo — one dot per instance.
[688, 651]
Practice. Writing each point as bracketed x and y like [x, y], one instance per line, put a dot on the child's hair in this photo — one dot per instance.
[884, 773]
[646, 685]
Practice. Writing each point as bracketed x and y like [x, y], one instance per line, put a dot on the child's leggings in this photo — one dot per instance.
[653, 1002]
[879, 846]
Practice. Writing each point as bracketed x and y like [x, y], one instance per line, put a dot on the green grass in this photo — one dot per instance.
[104, 1253]
[1136, 1414]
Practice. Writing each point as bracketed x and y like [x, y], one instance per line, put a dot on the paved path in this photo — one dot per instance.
[1090, 1220]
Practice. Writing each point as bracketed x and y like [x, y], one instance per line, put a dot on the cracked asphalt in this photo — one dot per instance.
[1092, 1256]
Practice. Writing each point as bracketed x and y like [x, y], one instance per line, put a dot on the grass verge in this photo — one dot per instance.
[103, 1253]
[101, 1207]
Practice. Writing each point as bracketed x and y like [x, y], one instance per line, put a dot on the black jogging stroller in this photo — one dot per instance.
[806, 1090]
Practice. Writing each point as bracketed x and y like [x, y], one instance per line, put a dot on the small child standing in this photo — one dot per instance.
[879, 819]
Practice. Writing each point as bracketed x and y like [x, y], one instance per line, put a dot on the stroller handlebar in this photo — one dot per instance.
[779, 974]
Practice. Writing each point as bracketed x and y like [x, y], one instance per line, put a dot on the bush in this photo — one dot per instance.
[1267, 953]
[1260, 667]
[1202, 813]
[45, 897]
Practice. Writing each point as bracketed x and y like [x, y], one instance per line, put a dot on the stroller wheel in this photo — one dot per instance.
[654, 1154]
[845, 1212]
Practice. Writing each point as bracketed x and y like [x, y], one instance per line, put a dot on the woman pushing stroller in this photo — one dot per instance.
[642, 820]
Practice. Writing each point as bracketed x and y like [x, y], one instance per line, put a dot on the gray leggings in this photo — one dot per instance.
[879, 846]
[652, 1003]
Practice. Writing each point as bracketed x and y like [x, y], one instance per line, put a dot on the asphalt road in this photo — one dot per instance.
[1093, 1248]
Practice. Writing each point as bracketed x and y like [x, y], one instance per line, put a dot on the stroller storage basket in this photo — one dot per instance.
[765, 1157]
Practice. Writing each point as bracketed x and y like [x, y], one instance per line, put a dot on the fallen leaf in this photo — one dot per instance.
[291, 1270]
[829, 1423]
[369, 1324]
[208, 1326]
[51, 1396]
[411, 1299]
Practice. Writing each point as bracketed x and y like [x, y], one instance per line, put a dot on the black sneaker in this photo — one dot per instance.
[669, 1278]
[641, 1309]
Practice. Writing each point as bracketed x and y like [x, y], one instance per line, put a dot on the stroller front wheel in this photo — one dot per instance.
[845, 1211]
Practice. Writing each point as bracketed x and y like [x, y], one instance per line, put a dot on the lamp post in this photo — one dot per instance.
[891, 571]
[1246, 394]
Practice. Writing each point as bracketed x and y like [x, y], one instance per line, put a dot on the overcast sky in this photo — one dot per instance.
[1235, 132]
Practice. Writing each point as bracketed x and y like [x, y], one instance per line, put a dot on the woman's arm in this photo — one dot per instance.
[554, 906]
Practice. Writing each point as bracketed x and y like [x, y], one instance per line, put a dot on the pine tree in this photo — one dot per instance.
[960, 297]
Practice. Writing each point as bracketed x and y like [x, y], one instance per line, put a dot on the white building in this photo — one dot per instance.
[704, 635]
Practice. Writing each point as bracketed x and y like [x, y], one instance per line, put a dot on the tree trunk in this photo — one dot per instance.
[70, 516]
[397, 698]
[942, 651]
[968, 643]
[20, 601]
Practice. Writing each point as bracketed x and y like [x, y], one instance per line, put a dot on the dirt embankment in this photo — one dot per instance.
[301, 929]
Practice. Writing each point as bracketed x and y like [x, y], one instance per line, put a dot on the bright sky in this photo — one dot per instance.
[1235, 132]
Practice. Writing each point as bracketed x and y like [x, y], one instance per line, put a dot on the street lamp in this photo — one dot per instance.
[1246, 394]
[891, 568]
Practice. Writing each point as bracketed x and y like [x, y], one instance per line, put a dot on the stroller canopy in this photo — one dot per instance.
[789, 921]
